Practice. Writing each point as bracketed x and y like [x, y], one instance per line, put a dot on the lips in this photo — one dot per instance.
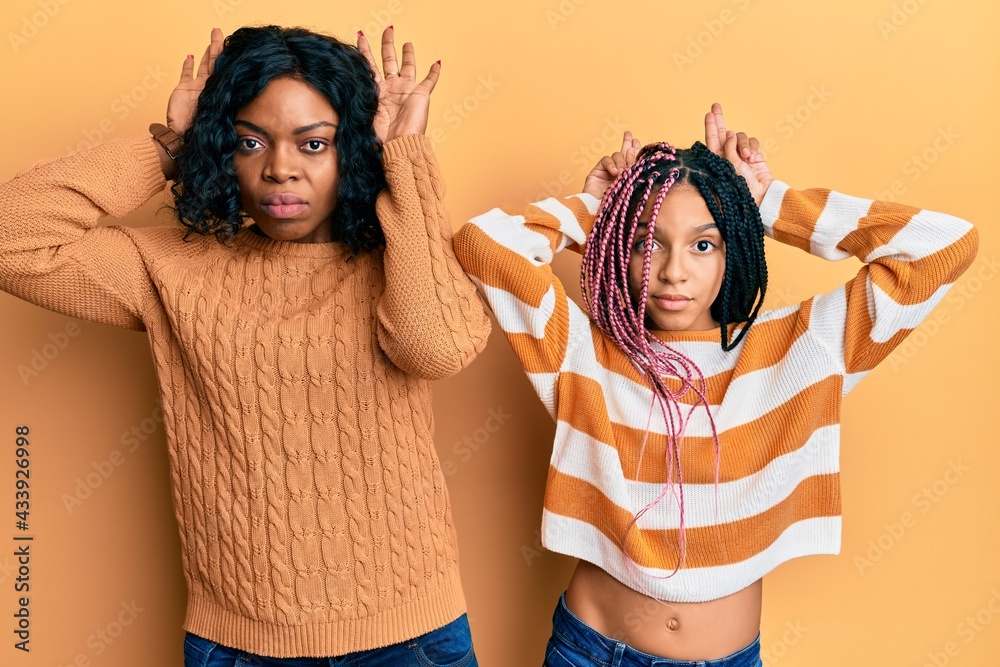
[283, 205]
[672, 301]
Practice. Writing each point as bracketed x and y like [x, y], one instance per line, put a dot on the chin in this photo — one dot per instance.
[285, 231]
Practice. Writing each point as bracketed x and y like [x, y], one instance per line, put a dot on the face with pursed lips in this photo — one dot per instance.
[286, 161]
[687, 264]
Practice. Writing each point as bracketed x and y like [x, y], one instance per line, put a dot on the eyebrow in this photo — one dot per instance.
[697, 230]
[298, 130]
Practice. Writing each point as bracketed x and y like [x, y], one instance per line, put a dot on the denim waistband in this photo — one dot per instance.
[568, 627]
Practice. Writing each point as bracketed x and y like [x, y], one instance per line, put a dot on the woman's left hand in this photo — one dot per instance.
[404, 104]
[743, 152]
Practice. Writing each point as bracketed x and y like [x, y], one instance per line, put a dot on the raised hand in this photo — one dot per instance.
[743, 152]
[404, 104]
[610, 166]
[184, 98]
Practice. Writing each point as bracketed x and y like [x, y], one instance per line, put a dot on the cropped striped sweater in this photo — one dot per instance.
[775, 398]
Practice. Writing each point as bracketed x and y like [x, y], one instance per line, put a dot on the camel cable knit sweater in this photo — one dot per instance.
[313, 514]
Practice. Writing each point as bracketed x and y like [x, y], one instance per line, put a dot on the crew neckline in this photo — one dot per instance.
[709, 335]
[248, 237]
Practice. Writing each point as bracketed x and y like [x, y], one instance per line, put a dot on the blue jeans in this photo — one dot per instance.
[448, 646]
[576, 644]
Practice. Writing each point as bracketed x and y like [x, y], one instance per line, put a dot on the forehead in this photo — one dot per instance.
[288, 102]
[683, 207]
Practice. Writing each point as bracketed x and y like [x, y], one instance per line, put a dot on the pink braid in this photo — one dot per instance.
[605, 286]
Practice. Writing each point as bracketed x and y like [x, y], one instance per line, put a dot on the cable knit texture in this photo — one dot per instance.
[313, 513]
[775, 398]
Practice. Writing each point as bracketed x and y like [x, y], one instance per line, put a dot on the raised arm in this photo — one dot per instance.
[508, 253]
[52, 251]
[912, 256]
[431, 323]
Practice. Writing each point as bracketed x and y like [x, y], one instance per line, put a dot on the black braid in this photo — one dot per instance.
[736, 215]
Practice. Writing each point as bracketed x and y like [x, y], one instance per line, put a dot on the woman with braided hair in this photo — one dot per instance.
[697, 436]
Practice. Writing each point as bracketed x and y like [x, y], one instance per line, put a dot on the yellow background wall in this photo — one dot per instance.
[890, 98]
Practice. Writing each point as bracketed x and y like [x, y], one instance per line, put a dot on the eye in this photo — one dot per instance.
[315, 145]
[704, 246]
[638, 245]
[247, 143]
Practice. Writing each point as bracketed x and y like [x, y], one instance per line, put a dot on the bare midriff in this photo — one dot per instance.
[676, 630]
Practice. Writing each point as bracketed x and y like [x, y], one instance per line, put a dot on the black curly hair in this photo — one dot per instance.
[735, 214]
[206, 192]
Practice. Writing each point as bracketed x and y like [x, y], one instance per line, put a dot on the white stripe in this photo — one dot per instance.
[806, 363]
[568, 223]
[583, 457]
[827, 320]
[511, 232]
[851, 380]
[516, 316]
[926, 233]
[820, 535]
[891, 316]
[840, 217]
[770, 207]
[545, 387]
[590, 201]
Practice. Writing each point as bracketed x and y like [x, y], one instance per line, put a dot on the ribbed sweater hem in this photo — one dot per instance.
[206, 618]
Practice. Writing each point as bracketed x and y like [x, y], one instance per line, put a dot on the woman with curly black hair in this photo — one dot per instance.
[296, 317]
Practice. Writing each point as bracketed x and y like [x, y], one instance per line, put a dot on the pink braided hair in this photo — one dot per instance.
[604, 282]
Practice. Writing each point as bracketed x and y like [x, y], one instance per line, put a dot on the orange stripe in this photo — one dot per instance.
[499, 267]
[910, 283]
[710, 546]
[581, 404]
[545, 355]
[538, 220]
[611, 357]
[745, 449]
[802, 209]
[583, 218]
[768, 342]
[883, 221]
[861, 353]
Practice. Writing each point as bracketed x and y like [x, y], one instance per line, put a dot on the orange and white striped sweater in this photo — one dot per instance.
[775, 398]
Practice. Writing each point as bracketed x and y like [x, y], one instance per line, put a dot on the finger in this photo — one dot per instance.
[608, 164]
[409, 67]
[215, 48]
[432, 77]
[366, 50]
[720, 120]
[730, 152]
[389, 65]
[203, 65]
[187, 69]
[626, 141]
[743, 145]
[619, 160]
[755, 151]
[712, 138]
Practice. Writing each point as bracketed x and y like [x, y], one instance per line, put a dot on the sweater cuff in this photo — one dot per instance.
[770, 206]
[411, 144]
[148, 159]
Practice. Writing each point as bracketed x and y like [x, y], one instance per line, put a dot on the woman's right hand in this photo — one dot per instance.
[184, 99]
[608, 169]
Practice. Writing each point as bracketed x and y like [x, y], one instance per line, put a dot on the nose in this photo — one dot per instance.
[672, 268]
[281, 164]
